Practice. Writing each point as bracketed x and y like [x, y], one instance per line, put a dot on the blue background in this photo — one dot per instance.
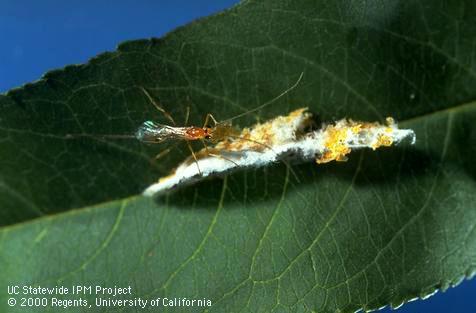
[37, 36]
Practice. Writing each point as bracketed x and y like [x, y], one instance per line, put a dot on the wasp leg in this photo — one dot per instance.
[219, 156]
[288, 165]
[157, 106]
[162, 153]
[194, 157]
[209, 116]
[187, 114]
[166, 151]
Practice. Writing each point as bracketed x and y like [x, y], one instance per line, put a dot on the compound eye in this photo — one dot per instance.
[208, 137]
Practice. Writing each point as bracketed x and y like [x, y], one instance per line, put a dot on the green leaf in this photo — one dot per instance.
[382, 228]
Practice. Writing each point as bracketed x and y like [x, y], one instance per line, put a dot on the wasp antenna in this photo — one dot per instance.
[270, 101]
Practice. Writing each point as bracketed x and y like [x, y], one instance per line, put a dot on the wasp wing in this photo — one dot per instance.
[152, 132]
